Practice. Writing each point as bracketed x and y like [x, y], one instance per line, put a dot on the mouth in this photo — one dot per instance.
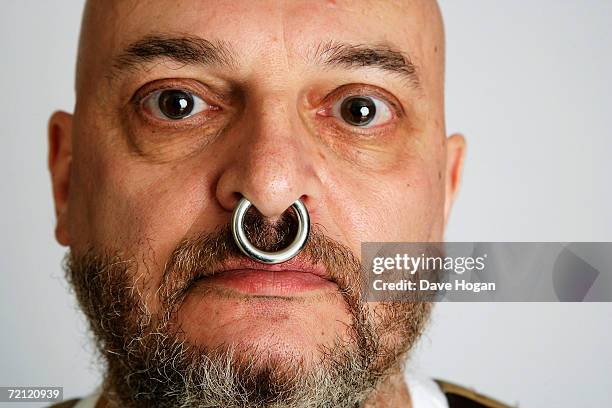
[288, 279]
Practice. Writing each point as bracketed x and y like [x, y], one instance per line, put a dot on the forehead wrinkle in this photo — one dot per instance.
[425, 9]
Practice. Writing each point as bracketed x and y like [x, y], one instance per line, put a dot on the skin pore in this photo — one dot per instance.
[268, 83]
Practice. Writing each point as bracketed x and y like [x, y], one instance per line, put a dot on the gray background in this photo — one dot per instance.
[528, 85]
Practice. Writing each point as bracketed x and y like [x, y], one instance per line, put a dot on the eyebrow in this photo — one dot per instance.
[197, 50]
[184, 49]
[380, 56]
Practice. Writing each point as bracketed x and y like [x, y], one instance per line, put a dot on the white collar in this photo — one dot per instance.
[424, 392]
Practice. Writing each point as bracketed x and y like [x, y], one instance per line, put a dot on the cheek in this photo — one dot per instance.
[417, 202]
[401, 205]
[145, 210]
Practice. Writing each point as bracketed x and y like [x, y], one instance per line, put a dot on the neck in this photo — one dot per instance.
[392, 393]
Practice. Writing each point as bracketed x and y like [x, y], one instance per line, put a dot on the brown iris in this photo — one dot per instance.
[175, 104]
[358, 111]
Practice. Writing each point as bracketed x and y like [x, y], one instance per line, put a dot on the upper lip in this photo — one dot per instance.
[297, 264]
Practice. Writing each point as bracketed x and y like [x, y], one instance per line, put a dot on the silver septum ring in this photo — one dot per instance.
[303, 229]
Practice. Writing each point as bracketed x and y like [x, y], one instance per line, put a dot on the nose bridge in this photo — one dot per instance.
[271, 168]
[271, 164]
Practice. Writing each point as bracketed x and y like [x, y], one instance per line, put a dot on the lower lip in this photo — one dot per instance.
[270, 283]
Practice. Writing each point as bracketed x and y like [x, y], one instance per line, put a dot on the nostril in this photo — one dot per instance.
[230, 201]
[308, 202]
[234, 198]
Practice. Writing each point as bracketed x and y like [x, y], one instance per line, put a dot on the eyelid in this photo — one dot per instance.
[192, 86]
[331, 104]
[347, 91]
[211, 97]
[385, 111]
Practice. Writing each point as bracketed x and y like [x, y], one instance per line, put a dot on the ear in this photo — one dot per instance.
[455, 154]
[59, 161]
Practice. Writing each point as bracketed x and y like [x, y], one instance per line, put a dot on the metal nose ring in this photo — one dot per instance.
[266, 257]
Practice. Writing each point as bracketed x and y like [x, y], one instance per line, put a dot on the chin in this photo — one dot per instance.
[264, 327]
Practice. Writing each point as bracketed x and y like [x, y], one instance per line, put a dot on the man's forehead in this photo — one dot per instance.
[284, 32]
[295, 23]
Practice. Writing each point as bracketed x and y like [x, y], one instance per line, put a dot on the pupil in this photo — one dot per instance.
[358, 111]
[175, 104]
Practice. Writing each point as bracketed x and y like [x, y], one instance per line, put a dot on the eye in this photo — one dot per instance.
[362, 111]
[173, 104]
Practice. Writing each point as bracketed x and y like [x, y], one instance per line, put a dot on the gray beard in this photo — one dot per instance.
[174, 374]
[150, 364]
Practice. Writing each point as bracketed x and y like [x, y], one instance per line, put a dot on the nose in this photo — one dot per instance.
[271, 160]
